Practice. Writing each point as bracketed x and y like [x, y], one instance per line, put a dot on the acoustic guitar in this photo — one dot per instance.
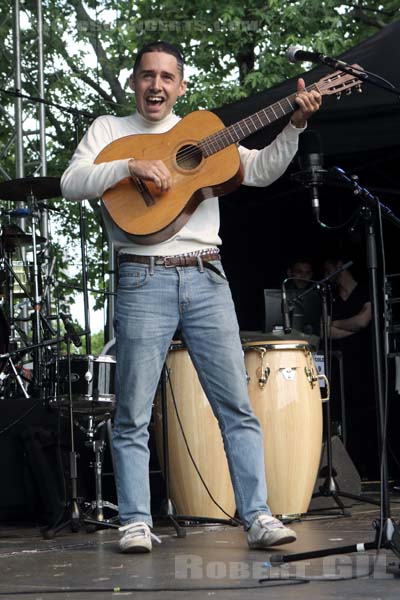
[202, 156]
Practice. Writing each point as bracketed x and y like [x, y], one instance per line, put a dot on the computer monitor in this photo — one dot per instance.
[305, 313]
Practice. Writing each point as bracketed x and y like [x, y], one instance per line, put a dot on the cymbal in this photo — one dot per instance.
[13, 237]
[40, 187]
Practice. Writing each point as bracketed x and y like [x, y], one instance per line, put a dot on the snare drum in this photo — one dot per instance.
[285, 395]
[204, 439]
[92, 383]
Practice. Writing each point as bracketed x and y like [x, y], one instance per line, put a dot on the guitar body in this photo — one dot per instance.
[151, 216]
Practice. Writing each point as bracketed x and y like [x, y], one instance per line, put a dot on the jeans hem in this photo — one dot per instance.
[146, 520]
[255, 516]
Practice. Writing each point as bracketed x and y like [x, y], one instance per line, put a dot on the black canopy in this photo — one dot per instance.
[263, 229]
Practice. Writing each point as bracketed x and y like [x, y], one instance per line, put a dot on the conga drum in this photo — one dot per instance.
[285, 395]
[199, 426]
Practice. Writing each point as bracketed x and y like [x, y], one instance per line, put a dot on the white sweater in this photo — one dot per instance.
[85, 180]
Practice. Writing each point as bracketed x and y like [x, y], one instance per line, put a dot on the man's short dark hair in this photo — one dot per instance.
[160, 46]
[300, 259]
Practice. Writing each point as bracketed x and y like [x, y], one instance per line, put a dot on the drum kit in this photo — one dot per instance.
[35, 350]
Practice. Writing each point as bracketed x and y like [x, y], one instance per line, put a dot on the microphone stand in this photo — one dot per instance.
[387, 532]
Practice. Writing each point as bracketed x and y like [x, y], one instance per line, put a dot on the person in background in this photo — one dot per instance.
[350, 334]
[300, 272]
[307, 310]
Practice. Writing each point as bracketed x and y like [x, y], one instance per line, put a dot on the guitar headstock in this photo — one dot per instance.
[338, 82]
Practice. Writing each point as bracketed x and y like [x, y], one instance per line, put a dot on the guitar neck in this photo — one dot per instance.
[242, 129]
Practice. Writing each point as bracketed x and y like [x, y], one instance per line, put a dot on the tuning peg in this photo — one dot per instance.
[338, 95]
[359, 89]
[348, 92]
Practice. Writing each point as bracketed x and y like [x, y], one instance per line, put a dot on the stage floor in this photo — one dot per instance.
[211, 561]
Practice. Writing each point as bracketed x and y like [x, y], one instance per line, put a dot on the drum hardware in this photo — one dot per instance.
[314, 377]
[92, 384]
[18, 285]
[7, 359]
[24, 279]
[263, 371]
[76, 516]
[98, 445]
[14, 237]
[263, 378]
[17, 190]
[18, 378]
[311, 377]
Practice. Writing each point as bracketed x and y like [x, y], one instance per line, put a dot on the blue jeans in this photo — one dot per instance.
[149, 309]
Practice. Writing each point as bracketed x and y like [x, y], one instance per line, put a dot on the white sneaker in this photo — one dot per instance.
[136, 537]
[267, 531]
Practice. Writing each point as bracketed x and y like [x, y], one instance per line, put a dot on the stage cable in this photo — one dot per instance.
[237, 521]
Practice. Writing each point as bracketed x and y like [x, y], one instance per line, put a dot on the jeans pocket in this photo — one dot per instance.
[217, 273]
[132, 276]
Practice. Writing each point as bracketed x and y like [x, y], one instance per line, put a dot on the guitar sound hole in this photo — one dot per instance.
[189, 157]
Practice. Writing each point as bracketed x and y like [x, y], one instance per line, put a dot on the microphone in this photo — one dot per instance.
[70, 329]
[297, 54]
[287, 327]
[311, 164]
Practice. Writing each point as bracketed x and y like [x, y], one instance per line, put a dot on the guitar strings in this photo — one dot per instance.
[222, 136]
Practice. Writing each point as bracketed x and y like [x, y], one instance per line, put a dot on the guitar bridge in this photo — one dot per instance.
[144, 191]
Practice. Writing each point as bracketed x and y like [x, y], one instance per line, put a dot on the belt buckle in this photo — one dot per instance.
[168, 265]
[160, 262]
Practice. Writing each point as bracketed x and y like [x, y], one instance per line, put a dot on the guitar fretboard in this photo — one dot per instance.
[242, 129]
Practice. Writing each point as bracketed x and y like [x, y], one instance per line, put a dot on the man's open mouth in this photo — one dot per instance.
[154, 100]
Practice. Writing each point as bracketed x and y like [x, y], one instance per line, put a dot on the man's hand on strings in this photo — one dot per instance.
[151, 170]
[308, 103]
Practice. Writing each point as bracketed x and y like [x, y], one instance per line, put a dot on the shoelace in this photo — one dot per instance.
[140, 527]
[270, 522]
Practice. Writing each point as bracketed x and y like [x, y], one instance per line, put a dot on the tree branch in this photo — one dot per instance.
[85, 77]
[360, 16]
[116, 88]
